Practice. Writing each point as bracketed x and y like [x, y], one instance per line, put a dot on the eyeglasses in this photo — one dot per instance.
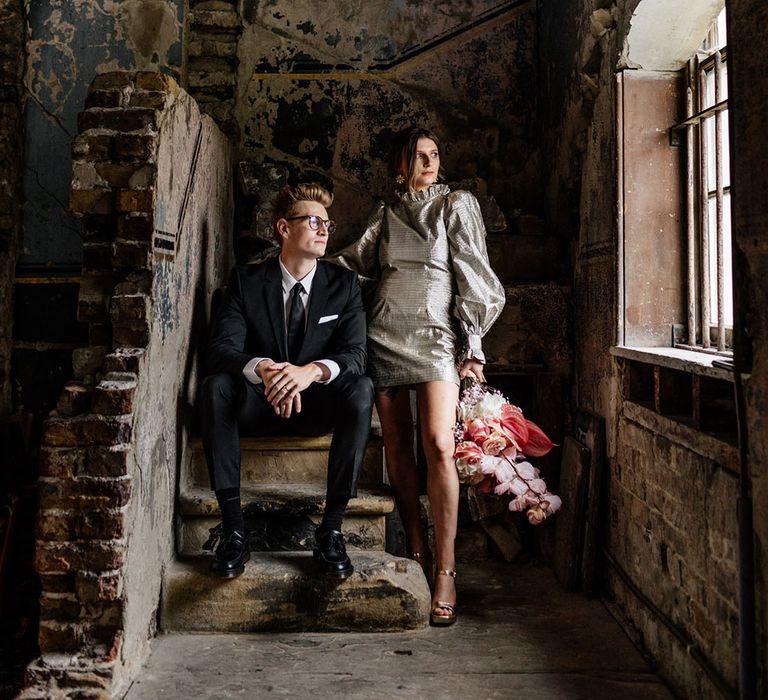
[315, 222]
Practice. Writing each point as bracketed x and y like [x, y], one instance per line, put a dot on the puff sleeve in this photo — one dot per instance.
[480, 297]
[362, 255]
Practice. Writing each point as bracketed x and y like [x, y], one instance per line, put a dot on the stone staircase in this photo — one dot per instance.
[283, 495]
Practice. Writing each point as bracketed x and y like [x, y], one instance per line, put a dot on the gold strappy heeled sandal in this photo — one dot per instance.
[450, 618]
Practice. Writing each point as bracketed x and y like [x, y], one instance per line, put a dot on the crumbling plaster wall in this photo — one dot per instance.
[180, 299]
[68, 44]
[148, 166]
[325, 93]
[670, 513]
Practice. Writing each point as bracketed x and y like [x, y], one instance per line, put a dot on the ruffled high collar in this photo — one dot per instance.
[425, 195]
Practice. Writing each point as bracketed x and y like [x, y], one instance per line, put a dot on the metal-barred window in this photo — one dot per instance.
[708, 197]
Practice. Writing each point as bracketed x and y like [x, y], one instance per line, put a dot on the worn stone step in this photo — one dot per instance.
[284, 591]
[275, 460]
[284, 516]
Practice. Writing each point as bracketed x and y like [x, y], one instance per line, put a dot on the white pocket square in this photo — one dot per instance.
[325, 319]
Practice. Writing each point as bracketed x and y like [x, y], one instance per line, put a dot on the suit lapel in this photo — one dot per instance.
[273, 297]
[318, 302]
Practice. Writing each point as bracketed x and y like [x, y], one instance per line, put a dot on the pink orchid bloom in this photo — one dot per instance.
[526, 470]
[490, 465]
[522, 502]
[518, 487]
[537, 486]
[505, 471]
[552, 502]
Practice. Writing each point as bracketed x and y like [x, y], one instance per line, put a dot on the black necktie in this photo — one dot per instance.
[295, 323]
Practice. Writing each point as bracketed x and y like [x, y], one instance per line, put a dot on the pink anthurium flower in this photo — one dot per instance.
[538, 443]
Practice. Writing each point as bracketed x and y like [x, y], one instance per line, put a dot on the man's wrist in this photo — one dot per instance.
[322, 372]
[261, 364]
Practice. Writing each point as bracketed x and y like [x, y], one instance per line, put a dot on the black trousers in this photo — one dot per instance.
[232, 406]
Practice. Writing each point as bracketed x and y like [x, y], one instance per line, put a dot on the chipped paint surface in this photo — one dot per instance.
[69, 43]
[182, 287]
[320, 94]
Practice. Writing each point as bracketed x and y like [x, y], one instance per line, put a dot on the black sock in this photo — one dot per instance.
[334, 514]
[231, 511]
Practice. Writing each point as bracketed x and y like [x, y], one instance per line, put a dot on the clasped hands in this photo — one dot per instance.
[284, 382]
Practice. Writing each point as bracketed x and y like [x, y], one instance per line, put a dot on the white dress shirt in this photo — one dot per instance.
[249, 371]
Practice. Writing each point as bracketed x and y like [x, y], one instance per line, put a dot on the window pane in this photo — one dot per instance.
[708, 98]
[708, 134]
[723, 81]
[721, 33]
[726, 149]
[727, 273]
[712, 218]
[716, 37]
[727, 260]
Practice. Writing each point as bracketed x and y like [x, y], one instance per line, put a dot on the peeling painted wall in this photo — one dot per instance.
[181, 294]
[69, 43]
[325, 94]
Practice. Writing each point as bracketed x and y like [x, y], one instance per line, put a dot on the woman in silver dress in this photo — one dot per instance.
[435, 297]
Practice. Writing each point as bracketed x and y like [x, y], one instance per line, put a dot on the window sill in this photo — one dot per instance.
[675, 358]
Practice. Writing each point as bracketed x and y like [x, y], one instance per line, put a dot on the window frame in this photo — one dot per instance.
[704, 295]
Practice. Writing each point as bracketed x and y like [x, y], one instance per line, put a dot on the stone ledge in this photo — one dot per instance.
[281, 533]
[286, 498]
[285, 592]
[289, 460]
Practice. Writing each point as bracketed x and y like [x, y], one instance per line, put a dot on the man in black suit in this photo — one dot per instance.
[287, 355]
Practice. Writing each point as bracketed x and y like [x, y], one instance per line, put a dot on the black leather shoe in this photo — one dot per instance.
[331, 554]
[231, 555]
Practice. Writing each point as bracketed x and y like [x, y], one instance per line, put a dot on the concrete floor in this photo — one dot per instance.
[518, 636]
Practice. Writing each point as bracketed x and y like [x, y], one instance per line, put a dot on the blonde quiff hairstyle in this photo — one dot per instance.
[284, 203]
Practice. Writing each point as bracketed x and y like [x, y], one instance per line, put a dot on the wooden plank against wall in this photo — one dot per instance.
[570, 519]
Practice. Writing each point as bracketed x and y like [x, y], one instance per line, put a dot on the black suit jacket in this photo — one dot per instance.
[250, 321]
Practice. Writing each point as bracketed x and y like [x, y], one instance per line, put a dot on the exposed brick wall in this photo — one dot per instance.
[12, 52]
[98, 485]
[673, 531]
[214, 31]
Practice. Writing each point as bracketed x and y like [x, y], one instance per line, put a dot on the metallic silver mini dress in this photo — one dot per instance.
[435, 295]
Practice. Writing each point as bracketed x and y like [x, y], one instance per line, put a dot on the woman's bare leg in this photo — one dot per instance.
[394, 408]
[437, 412]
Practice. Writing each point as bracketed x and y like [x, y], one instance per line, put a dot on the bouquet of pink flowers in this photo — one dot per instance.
[492, 440]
